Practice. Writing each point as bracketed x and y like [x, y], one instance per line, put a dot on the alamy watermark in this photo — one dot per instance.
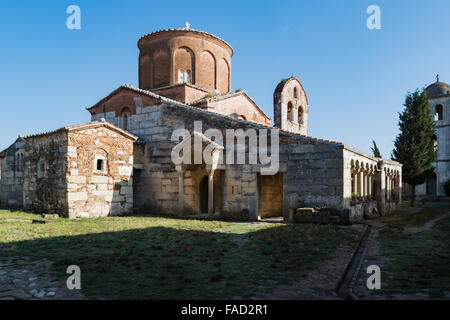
[74, 280]
[374, 280]
[374, 20]
[74, 20]
[190, 149]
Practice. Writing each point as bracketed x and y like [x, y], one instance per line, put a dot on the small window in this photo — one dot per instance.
[125, 116]
[295, 93]
[184, 76]
[125, 121]
[438, 114]
[100, 164]
[41, 170]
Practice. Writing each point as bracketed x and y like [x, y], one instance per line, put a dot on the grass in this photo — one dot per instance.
[163, 258]
[418, 261]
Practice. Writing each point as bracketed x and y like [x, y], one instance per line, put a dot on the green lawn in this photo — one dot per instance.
[419, 259]
[163, 258]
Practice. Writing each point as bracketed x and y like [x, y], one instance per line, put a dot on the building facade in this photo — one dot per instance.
[184, 86]
[439, 96]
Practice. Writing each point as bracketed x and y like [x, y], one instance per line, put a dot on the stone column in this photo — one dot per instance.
[181, 170]
[295, 114]
[360, 183]
[366, 178]
[355, 182]
[388, 187]
[381, 195]
[369, 184]
[211, 192]
[400, 188]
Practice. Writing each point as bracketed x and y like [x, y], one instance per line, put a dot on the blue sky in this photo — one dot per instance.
[356, 79]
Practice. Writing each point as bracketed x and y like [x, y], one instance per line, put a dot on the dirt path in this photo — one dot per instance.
[318, 284]
[427, 226]
[373, 257]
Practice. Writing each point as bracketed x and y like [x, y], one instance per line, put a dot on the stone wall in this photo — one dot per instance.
[312, 169]
[80, 171]
[45, 186]
[99, 173]
[12, 174]
[314, 174]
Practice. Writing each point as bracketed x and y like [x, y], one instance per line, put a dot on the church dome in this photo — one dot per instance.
[184, 55]
[437, 89]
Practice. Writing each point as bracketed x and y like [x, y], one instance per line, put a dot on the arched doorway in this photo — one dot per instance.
[204, 195]
[431, 185]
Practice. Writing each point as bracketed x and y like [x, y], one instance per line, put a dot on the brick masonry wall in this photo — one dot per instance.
[161, 57]
[93, 192]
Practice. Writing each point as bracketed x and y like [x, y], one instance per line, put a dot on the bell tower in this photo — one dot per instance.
[290, 106]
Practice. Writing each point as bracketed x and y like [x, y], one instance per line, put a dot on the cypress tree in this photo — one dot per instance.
[414, 146]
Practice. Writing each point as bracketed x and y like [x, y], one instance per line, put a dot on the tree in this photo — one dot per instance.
[376, 152]
[414, 146]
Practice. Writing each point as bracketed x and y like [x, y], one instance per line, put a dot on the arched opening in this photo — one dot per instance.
[435, 143]
[223, 76]
[161, 69]
[431, 185]
[125, 115]
[145, 71]
[184, 65]
[100, 162]
[295, 93]
[300, 115]
[353, 183]
[290, 111]
[204, 195]
[206, 69]
[374, 188]
[438, 113]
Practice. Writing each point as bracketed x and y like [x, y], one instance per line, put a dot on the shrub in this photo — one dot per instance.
[355, 195]
[447, 188]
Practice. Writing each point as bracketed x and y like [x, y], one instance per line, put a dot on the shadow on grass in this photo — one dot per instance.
[169, 263]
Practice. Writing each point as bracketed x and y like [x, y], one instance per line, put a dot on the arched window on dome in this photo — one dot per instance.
[184, 76]
[290, 111]
[438, 112]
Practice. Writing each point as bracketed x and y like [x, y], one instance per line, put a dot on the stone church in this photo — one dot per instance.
[121, 162]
